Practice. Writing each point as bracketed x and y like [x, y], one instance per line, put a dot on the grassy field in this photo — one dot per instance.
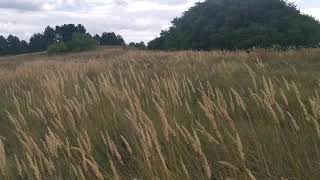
[127, 114]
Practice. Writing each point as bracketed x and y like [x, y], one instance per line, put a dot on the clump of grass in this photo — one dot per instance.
[126, 114]
[3, 161]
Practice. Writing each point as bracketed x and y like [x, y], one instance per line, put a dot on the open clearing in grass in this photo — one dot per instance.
[126, 114]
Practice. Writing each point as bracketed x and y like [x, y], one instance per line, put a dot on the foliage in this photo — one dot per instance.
[49, 36]
[140, 45]
[80, 42]
[111, 39]
[97, 38]
[240, 24]
[38, 43]
[58, 47]
[3, 45]
[64, 33]
[24, 47]
[14, 45]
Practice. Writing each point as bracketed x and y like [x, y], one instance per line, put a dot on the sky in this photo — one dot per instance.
[135, 20]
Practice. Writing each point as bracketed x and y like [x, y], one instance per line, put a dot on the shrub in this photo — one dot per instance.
[59, 47]
[80, 42]
[140, 45]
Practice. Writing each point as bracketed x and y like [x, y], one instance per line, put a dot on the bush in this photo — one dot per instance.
[80, 42]
[59, 47]
[140, 45]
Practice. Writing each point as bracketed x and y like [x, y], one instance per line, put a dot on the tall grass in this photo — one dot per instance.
[124, 114]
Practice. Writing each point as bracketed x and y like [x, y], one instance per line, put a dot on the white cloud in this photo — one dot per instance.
[295, 1]
[134, 19]
[315, 12]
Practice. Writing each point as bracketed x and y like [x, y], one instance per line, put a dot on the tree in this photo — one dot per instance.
[24, 47]
[140, 45]
[64, 33]
[81, 29]
[38, 42]
[240, 24]
[13, 45]
[3, 45]
[81, 42]
[74, 37]
[97, 38]
[120, 41]
[49, 36]
[89, 35]
[111, 39]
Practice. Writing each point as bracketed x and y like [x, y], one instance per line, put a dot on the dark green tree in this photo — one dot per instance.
[24, 47]
[3, 45]
[140, 45]
[64, 33]
[240, 24]
[67, 37]
[97, 38]
[111, 39]
[89, 35]
[49, 35]
[81, 42]
[38, 42]
[13, 45]
[81, 29]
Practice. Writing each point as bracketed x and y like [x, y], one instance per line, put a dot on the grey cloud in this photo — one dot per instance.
[133, 26]
[40, 5]
[23, 5]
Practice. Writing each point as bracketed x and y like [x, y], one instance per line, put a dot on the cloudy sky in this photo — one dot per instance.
[135, 20]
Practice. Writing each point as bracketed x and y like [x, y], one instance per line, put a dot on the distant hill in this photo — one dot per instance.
[240, 24]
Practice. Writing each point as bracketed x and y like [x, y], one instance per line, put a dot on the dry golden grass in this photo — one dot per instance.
[126, 114]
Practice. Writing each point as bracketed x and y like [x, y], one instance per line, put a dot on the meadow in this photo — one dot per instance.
[139, 115]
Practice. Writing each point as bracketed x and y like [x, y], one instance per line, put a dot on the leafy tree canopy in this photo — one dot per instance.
[38, 42]
[49, 35]
[140, 45]
[240, 24]
[13, 45]
[67, 37]
[79, 42]
[3, 45]
[111, 39]
[65, 32]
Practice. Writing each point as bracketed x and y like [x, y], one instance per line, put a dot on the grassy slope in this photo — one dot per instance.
[196, 115]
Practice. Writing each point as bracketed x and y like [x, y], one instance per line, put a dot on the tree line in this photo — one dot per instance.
[240, 24]
[211, 24]
[60, 34]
